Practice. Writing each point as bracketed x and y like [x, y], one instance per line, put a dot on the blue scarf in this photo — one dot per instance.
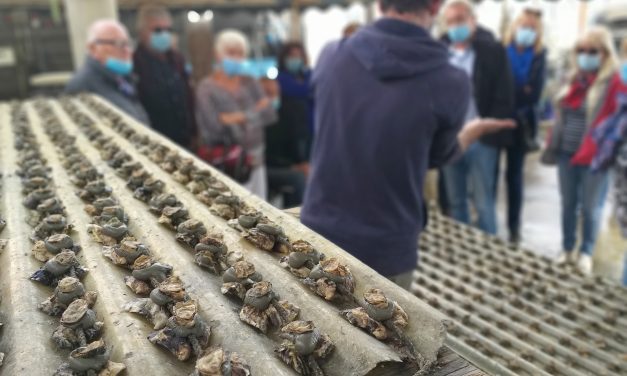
[521, 63]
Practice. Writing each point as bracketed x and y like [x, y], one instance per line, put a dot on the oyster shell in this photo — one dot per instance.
[159, 202]
[385, 320]
[110, 233]
[331, 279]
[78, 326]
[36, 197]
[173, 216]
[95, 208]
[93, 190]
[146, 275]
[303, 346]
[185, 333]
[226, 206]
[110, 212]
[211, 253]
[125, 253]
[262, 308]
[239, 278]
[90, 360]
[190, 232]
[52, 224]
[268, 237]
[169, 292]
[44, 250]
[61, 265]
[68, 290]
[216, 361]
[137, 179]
[302, 259]
[151, 186]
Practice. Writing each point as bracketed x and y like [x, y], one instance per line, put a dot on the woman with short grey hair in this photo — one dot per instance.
[234, 108]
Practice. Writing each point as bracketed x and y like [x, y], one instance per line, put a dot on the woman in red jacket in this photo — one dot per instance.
[585, 102]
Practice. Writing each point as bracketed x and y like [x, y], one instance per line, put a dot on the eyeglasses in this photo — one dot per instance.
[117, 43]
[589, 51]
[161, 29]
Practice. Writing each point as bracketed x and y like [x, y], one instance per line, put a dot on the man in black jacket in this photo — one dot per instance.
[163, 85]
[485, 61]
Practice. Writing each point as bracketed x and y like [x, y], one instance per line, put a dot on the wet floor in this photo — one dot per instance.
[541, 220]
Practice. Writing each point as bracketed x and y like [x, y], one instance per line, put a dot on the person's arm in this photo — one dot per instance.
[262, 114]
[477, 128]
[453, 137]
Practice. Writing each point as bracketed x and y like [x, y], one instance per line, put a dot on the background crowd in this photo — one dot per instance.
[356, 118]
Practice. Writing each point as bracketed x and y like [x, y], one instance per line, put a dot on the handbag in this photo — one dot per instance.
[549, 155]
[229, 157]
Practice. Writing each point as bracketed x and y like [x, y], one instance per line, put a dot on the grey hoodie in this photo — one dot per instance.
[388, 107]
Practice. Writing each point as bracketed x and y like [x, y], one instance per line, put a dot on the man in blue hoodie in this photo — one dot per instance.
[388, 107]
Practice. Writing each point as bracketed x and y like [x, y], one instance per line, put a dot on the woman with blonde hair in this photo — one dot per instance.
[527, 57]
[587, 100]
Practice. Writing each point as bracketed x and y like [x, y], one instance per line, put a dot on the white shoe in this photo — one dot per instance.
[566, 258]
[585, 264]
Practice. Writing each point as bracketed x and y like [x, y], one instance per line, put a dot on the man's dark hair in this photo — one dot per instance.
[405, 6]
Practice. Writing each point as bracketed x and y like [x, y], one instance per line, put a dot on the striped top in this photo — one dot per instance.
[574, 129]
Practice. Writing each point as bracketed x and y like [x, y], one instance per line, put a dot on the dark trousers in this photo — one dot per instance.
[287, 182]
[515, 181]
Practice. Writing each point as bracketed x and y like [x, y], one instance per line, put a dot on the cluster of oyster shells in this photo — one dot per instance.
[384, 319]
[173, 313]
[262, 308]
[79, 328]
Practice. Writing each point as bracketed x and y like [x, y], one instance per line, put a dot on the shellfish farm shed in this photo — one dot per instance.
[122, 253]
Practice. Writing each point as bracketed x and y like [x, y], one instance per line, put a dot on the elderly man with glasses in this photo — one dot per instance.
[107, 68]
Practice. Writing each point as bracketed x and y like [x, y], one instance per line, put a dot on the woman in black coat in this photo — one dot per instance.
[527, 57]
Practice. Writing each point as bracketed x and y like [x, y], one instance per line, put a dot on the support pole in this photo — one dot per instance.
[79, 15]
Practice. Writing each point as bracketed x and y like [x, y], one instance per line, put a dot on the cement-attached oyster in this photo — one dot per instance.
[303, 346]
[262, 308]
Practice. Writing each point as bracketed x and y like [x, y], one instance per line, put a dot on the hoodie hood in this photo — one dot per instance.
[393, 49]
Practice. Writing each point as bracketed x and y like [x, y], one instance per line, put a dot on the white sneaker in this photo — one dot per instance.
[585, 264]
[566, 258]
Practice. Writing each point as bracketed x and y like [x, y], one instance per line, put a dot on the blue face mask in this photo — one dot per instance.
[588, 62]
[294, 64]
[161, 41]
[117, 66]
[525, 37]
[276, 103]
[232, 67]
[459, 33]
[623, 72]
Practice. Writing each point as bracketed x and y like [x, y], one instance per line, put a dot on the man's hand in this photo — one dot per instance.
[477, 128]
[232, 118]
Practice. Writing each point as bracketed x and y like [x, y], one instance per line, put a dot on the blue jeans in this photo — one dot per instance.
[515, 179]
[476, 170]
[582, 192]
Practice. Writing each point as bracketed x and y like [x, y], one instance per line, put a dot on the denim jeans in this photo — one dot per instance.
[473, 177]
[583, 193]
[515, 179]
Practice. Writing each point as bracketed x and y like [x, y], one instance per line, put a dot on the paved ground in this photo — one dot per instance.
[541, 221]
